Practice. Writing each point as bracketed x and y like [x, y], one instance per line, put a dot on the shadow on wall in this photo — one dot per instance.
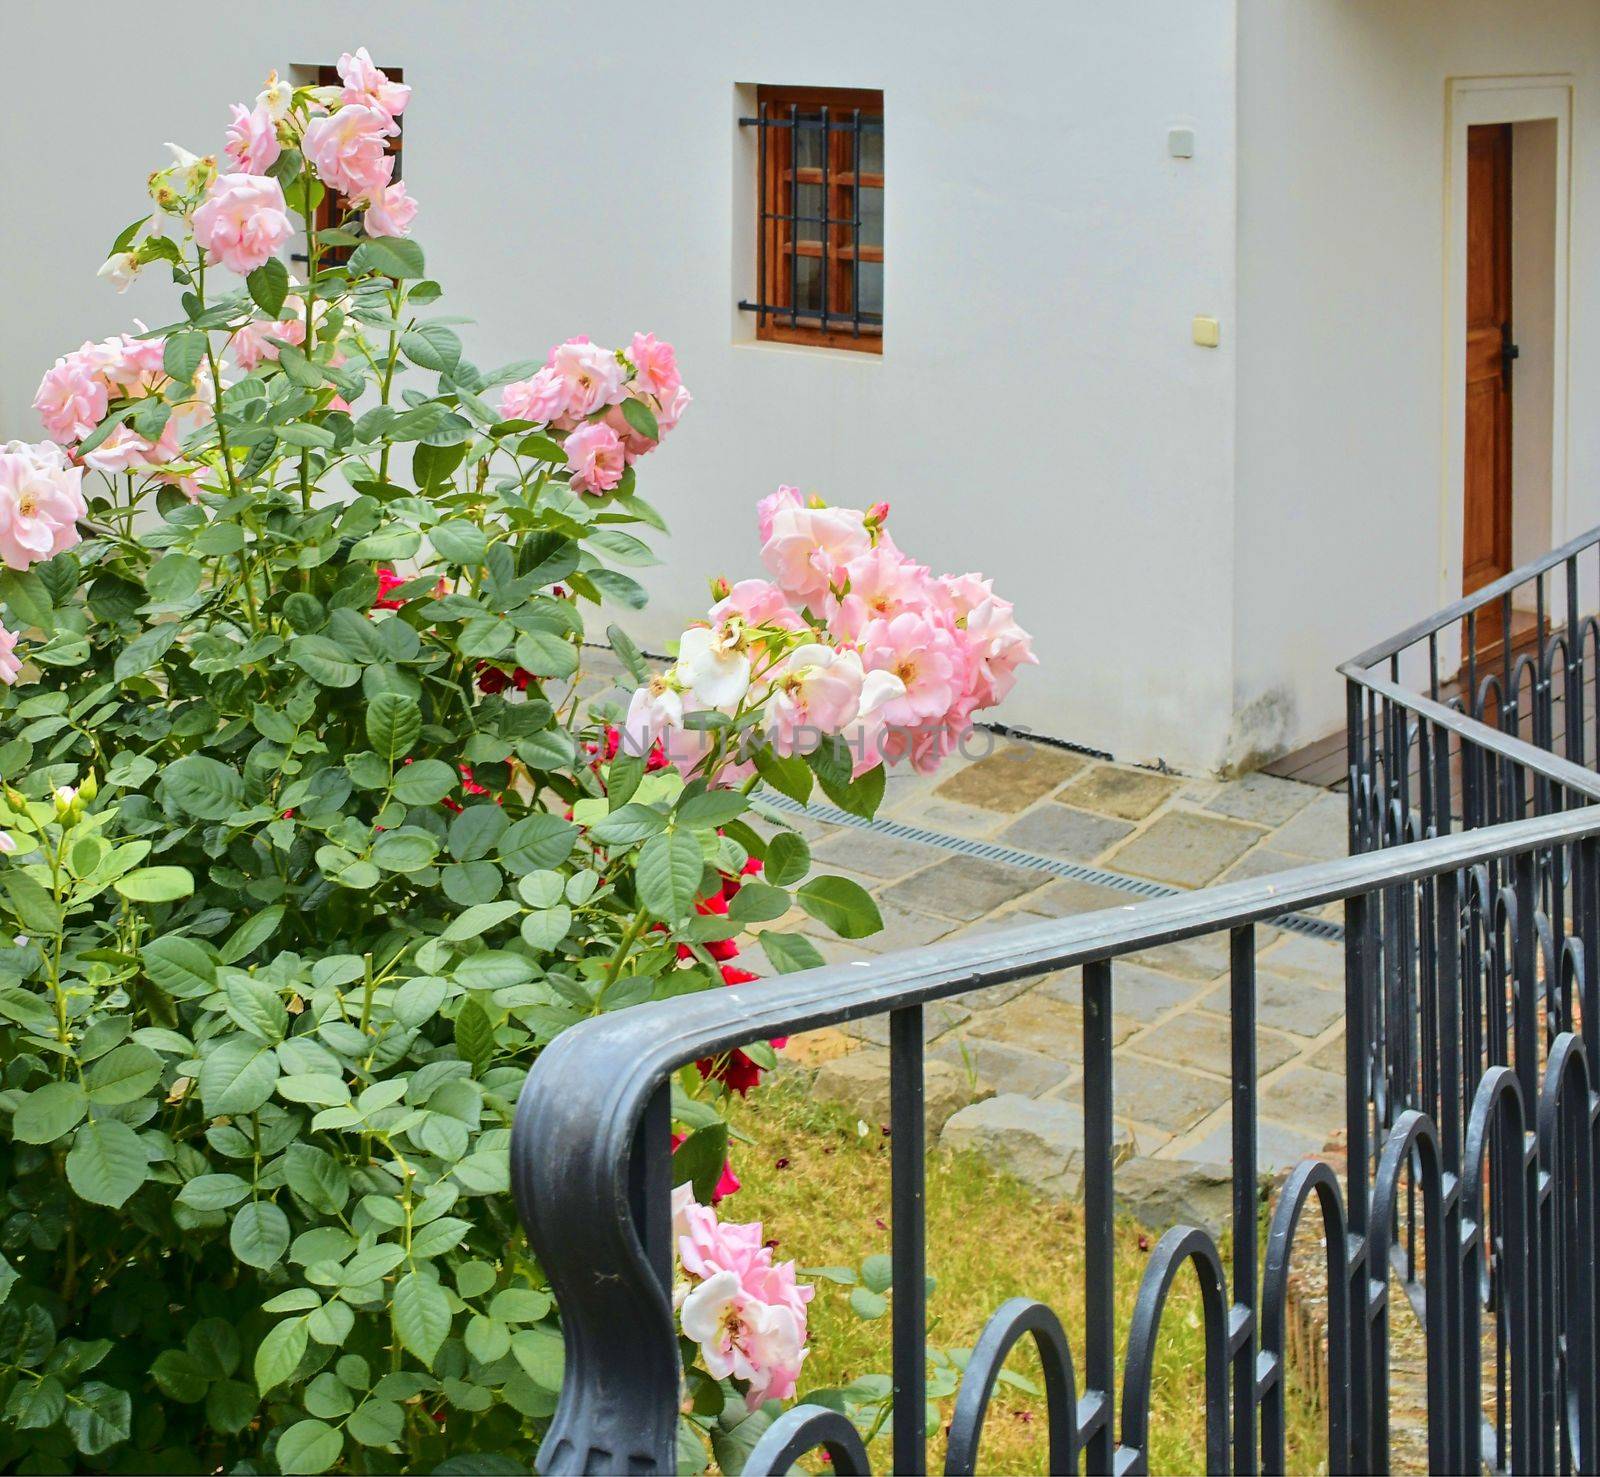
[1260, 732]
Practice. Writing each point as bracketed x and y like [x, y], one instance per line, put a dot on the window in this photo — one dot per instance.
[819, 217]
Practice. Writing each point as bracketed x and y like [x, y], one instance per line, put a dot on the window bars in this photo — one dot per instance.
[819, 217]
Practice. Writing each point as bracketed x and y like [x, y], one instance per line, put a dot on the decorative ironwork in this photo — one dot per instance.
[591, 1171]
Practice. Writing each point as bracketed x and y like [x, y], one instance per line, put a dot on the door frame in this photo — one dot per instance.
[1469, 101]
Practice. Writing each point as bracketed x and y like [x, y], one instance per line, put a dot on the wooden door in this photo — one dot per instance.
[1487, 490]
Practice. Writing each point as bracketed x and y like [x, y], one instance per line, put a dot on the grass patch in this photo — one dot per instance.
[822, 1188]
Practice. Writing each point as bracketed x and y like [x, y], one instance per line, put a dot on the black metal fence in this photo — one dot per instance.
[591, 1170]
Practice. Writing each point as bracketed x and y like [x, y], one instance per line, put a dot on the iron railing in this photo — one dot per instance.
[591, 1169]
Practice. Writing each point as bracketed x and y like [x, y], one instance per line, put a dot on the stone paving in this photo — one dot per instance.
[1019, 1047]
[1005, 1064]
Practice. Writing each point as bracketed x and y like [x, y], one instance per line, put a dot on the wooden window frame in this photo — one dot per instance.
[777, 321]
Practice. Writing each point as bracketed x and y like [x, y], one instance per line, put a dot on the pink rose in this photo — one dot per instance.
[41, 500]
[366, 86]
[10, 667]
[242, 221]
[921, 651]
[761, 603]
[594, 452]
[817, 692]
[389, 212]
[809, 548]
[542, 398]
[672, 410]
[348, 149]
[71, 399]
[883, 582]
[657, 366]
[253, 343]
[767, 508]
[133, 366]
[252, 139]
[593, 376]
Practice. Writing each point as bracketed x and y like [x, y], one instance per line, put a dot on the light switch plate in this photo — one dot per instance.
[1180, 143]
[1207, 332]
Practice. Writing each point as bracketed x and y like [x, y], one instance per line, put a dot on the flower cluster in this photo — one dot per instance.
[613, 406]
[847, 638]
[747, 1313]
[41, 500]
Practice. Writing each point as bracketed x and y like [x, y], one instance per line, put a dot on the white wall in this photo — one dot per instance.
[1039, 411]
[1341, 527]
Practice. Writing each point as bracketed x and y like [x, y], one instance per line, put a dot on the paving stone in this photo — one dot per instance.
[1185, 848]
[937, 1018]
[934, 814]
[1161, 1094]
[1202, 958]
[1137, 993]
[1201, 1040]
[1040, 1143]
[1067, 896]
[1329, 1057]
[1277, 1147]
[1012, 778]
[1162, 1193]
[810, 1049]
[965, 887]
[1042, 1024]
[814, 830]
[1306, 1096]
[1005, 1068]
[883, 858]
[990, 996]
[1263, 798]
[860, 1083]
[1320, 831]
[1263, 863]
[1054, 829]
[1286, 1004]
[1113, 789]
[1317, 961]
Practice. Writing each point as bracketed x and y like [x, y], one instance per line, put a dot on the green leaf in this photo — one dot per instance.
[124, 1074]
[394, 256]
[426, 782]
[832, 763]
[668, 875]
[546, 654]
[641, 418]
[269, 285]
[788, 859]
[213, 1192]
[376, 1422]
[98, 1416]
[712, 808]
[260, 1234]
[431, 466]
[278, 1355]
[474, 832]
[789, 951]
[408, 849]
[49, 1112]
[180, 1376]
[252, 933]
[433, 346]
[475, 1036]
[237, 1076]
[421, 1311]
[156, 884]
[203, 787]
[459, 542]
[877, 1271]
[324, 661]
[756, 902]
[629, 824]
[179, 966]
[394, 724]
[28, 598]
[630, 656]
[698, 1160]
[144, 651]
[845, 906]
[865, 1303]
[107, 1163]
[791, 777]
[308, 1446]
[182, 353]
[536, 843]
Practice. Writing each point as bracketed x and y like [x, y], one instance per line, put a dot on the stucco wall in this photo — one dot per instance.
[1039, 412]
[1343, 531]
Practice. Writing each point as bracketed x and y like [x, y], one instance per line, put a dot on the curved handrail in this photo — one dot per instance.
[573, 1166]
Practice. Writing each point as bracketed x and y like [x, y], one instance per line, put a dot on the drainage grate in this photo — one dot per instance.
[989, 851]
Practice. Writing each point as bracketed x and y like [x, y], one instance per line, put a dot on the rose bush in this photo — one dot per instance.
[311, 842]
